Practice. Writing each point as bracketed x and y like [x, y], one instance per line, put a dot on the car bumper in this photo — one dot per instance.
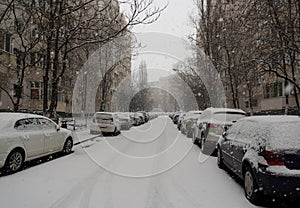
[103, 128]
[210, 144]
[284, 186]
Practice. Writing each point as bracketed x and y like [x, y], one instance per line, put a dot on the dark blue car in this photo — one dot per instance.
[264, 151]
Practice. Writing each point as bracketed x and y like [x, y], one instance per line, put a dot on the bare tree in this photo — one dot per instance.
[69, 25]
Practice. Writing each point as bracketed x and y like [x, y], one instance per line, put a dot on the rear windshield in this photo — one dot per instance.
[123, 115]
[229, 115]
[103, 116]
[284, 135]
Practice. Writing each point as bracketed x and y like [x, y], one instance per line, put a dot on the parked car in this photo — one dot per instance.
[264, 151]
[180, 119]
[25, 137]
[125, 120]
[105, 123]
[135, 119]
[176, 117]
[189, 121]
[145, 116]
[210, 126]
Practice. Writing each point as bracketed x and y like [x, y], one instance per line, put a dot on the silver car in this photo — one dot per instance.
[24, 137]
[105, 123]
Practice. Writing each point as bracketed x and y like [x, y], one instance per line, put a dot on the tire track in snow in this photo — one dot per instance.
[160, 185]
[85, 187]
[157, 196]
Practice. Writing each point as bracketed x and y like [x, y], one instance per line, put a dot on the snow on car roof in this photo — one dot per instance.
[6, 119]
[193, 112]
[214, 110]
[272, 118]
[280, 132]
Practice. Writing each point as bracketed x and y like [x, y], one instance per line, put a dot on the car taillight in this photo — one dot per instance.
[273, 158]
[210, 125]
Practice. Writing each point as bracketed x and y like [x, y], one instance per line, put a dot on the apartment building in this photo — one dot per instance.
[243, 27]
[14, 44]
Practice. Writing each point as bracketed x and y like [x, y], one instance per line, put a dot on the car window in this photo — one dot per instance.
[46, 124]
[27, 124]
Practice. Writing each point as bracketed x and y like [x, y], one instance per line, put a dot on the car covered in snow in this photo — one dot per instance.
[105, 123]
[24, 137]
[188, 122]
[125, 120]
[264, 151]
[211, 124]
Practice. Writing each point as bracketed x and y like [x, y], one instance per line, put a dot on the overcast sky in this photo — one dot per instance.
[174, 19]
[167, 44]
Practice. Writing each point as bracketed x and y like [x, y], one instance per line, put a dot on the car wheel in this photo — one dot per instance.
[68, 146]
[252, 192]
[115, 133]
[14, 161]
[220, 158]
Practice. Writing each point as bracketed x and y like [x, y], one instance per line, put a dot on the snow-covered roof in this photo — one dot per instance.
[278, 132]
[7, 119]
[214, 110]
[16, 116]
[272, 119]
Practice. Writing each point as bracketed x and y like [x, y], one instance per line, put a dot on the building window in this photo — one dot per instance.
[38, 60]
[273, 90]
[6, 42]
[60, 96]
[36, 90]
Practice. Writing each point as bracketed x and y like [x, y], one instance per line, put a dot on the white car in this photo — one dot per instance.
[211, 124]
[105, 122]
[125, 120]
[188, 122]
[24, 137]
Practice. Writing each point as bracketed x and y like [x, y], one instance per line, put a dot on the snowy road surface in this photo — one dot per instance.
[149, 166]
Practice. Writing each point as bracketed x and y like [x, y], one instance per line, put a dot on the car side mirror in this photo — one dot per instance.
[57, 127]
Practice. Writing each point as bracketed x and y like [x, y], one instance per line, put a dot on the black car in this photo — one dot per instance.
[264, 151]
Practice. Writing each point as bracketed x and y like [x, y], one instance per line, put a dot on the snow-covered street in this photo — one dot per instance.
[149, 166]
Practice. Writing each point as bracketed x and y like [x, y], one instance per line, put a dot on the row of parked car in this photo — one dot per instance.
[25, 137]
[113, 122]
[263, 151]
